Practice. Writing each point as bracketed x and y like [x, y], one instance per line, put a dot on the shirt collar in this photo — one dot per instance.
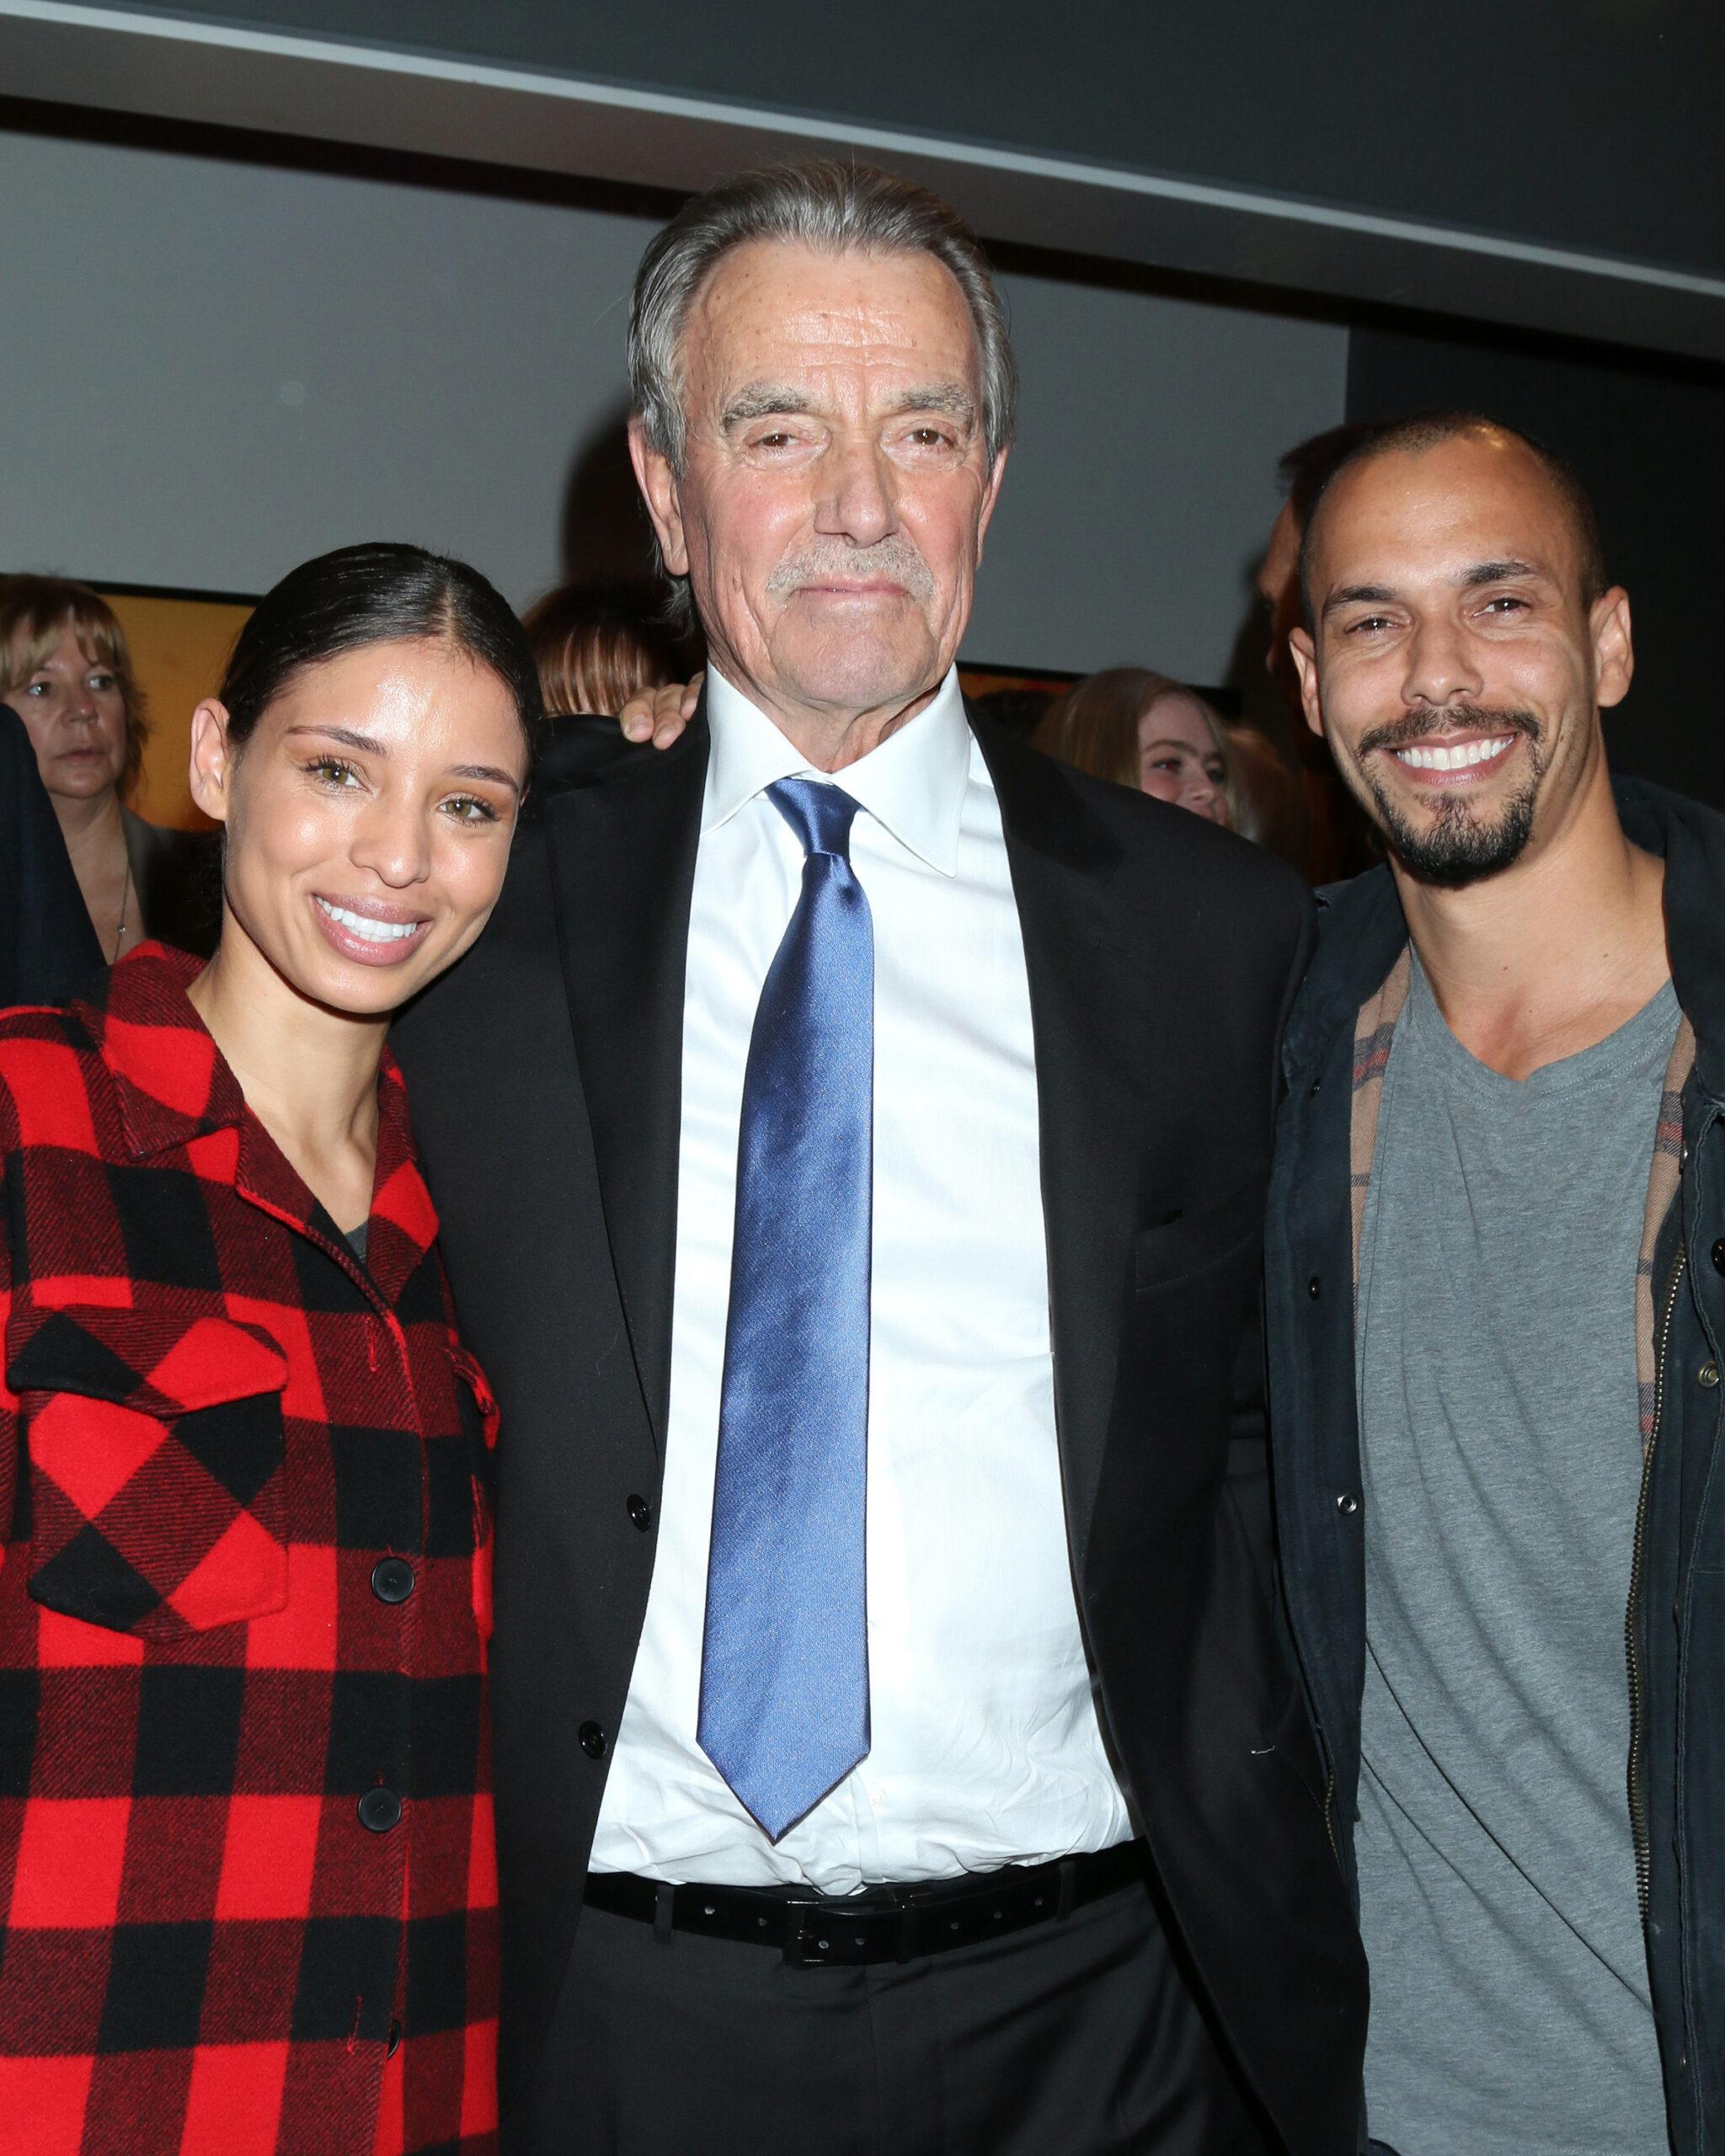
[913, 783]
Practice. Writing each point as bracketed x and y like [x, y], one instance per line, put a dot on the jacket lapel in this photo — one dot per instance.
[622, 855]
[1086, 1013]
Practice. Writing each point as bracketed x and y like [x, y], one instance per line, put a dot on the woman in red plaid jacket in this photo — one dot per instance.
[247, 1901]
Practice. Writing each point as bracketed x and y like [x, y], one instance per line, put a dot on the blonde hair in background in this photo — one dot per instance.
[35, 612]
[1094, 727]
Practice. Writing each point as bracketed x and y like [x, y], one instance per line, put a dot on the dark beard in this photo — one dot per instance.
[1457, 847]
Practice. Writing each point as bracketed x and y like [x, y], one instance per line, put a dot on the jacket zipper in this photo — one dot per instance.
[1631, 1630]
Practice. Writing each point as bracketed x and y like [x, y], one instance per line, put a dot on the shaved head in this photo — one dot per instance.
[1426, 430]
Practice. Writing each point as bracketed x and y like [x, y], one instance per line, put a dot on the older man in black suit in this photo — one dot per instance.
[851, 1139]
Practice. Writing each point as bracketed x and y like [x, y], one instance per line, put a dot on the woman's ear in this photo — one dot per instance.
[212, 762]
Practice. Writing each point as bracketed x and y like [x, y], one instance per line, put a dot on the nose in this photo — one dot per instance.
[856, 501]
[1441, 666]
[393, 840]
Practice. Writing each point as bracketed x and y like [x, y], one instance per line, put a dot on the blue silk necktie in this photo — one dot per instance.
[784, 1674]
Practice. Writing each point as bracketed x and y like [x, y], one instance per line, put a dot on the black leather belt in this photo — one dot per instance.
[883, 1923]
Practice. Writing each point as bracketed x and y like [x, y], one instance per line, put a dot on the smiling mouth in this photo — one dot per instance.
[373, 939]
[1452, 756]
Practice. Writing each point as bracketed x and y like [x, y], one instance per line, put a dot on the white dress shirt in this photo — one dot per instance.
[986, 1749]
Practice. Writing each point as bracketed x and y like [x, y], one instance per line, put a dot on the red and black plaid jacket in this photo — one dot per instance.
[248, 1896]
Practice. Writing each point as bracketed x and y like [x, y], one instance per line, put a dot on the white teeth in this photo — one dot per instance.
[1431, 758]
[374, 931]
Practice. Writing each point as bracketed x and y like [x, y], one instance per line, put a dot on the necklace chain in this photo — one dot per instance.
[119, 932]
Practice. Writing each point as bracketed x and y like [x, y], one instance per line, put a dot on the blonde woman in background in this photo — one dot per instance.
[66, 672]
[1141, 729]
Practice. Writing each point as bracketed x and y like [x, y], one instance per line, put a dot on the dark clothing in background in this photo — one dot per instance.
[177, 876]
[48, 949]
[1676, 1703]
[546, 1076]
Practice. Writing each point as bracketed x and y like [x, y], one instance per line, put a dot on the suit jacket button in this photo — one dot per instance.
[380, 1809]
[1719, 1256]
[592, 1740]
[641, 1512]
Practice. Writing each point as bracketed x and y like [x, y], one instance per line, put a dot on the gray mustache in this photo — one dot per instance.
[895, 558]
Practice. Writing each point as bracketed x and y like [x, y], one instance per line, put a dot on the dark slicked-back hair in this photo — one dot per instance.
[1423, 430]
[382, 593]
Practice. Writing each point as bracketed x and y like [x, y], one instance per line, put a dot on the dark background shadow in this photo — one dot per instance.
[605, 537]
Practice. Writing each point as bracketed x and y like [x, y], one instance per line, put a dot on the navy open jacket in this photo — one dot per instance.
[1675, 1626]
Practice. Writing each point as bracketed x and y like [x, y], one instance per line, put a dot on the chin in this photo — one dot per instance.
[862, 675]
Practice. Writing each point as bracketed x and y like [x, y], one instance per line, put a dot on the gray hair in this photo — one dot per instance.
[837, 209]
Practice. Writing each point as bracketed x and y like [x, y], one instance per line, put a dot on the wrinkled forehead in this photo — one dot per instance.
[776, 312]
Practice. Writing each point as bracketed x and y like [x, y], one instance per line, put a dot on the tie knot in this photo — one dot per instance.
[821, 816]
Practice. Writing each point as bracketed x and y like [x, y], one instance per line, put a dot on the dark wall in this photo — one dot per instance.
[1584, 123]
[1649, 439]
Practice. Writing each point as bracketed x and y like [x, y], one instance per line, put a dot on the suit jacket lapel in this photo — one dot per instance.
[1088, 1018]
[624, 859]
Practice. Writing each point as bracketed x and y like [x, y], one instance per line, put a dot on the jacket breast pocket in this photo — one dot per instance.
[1193, 1242]
[157, 1467]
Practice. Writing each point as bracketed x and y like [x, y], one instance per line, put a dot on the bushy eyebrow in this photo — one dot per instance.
[767, 400]
[950, 397]
[763, 400]
[369, 745]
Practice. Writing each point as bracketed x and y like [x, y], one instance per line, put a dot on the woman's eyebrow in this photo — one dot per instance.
[486, 772]
[365, 743]
[368, 744]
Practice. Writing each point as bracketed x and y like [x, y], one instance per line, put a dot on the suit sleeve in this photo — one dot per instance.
[1248, 1404]
[48, 949]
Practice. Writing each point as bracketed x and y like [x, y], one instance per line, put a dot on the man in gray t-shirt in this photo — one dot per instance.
[1495, 1315]
[1501, 1459]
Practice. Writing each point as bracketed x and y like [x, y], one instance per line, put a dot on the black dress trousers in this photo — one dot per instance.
[1077, 2037]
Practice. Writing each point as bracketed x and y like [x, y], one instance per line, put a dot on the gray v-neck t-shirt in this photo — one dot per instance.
[1501, 1457]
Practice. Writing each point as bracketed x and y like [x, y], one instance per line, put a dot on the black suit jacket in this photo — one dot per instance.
[48, 949]
[545, 1074]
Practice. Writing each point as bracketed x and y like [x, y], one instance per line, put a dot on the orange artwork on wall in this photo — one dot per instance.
[179, 645]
